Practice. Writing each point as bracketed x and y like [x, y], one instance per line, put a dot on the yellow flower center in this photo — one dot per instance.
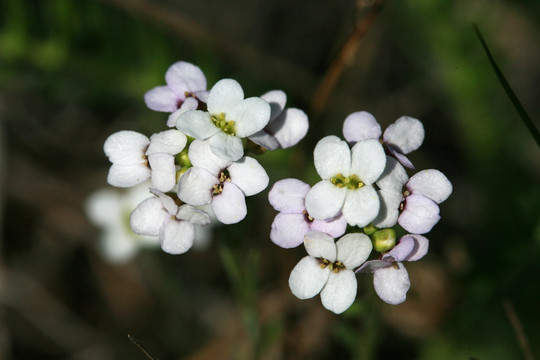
[352, 182]
[226, 126]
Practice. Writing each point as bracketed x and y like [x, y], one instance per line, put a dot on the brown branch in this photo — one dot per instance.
[518, 329]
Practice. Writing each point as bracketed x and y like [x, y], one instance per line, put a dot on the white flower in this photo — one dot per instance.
[286, 126]
[135, 158]
[160, 216]
[230, 117]
[109, 209]
[348, 175]
[328, 269]
[223, 183]
[390, 193]
[390, 278]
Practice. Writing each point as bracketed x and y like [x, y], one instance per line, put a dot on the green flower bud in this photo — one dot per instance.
[384, 240]
[370, 229]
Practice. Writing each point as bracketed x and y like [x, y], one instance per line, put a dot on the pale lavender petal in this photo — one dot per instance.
[372, 265]
[197, 124]
[193, 215]
[248, 175]
[360, 126]
[288, 196]
[401, 251]
[188, 105]
[389, 209]
[353, 249]
[176, 237]
[432, 184]
[394, 176]
[392, 284]
[325, 200]
[227, 147]
[399, 156]
[339, 292]
[202, 95]
[368, 160]
[229, 206]
[308, 278]
[420, 249]
[288, 230]
[195, 187]
[161, 98]
[361, 206]
[126, 148]
[320, 245]
[148, 217]
[183, 77]
[406, 134]
[265, 140]
[332, 156]
[169, 142]
[127, 176]
[201, 155]
[289, 128]
[163, 171]
[250, 115]
[335, 227]
[277, 100]
[420, 214]
[224, 96]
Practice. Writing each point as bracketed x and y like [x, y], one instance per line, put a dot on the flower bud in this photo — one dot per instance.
[384, 240]
[369, 229]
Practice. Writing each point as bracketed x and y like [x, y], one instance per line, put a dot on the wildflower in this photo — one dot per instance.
[135, 158]
[347, 178]
[390, 193]
[405, 135]
[293, 221]
[286, 126]
[390, 278]
[160, 216]
[328, 269]
[223, 183]
[230, 118]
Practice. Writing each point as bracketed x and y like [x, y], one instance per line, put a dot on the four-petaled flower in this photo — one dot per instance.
[348, 175]
[229, 118]
[293, 222]
[328, 269]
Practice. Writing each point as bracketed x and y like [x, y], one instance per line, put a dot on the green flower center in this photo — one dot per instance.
[226, 126]
[333, 266]
[352, 182]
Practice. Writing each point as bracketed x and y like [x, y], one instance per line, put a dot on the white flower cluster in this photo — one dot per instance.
[364, 185]
[203, 162]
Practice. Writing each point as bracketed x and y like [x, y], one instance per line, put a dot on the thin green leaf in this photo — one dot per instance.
[513, 98]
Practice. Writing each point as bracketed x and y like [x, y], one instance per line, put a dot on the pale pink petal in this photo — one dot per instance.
[361, 206]
[404, 160]
[161, 98]
[230, 206]
[339, 292]
[335, 227]
[288, 230]
[406, 134]
[188, 105]
[320, 245]
[249, 116]
[392, 284]
[410, 248]
[288, 196]
[360, 126]
[332, 156]
[184, 77]
[353, 249]
[227, 147]
[248, 175]
[372, 265]
[368, 160]
[176, 237]
[325, 200]
[420, 214]
[224, 97]
[148, 217]
[308, 278]
[195, 187]
[432, 184]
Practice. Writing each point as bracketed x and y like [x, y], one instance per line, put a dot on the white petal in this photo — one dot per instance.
[161, 98]
[248, 175]
[163, 171]
[420, 214]
[289, 128]
[320, 245]
[308, 278]
[166, 201]
[170, 142]
[127, 176]
[193, 215]
[372, 265]
[335, 227]
[148, 217]
[406, 134]
[185, 77]
[227, 147]
[339, 292]
[197, 123]
[432, 184]
[126, 148]
[360, 126]
[389, 209]
[288, 230]
[230, 206]
[176, 237]
[353, 249]
[392, 284]
[325, 200]
[368, 161]
[103, 207]
[188, 105]
[332, 156]
[195, 186]
[277, 100]
[410, 248]
[288, 196]
[201, 155]
[265, 140]
[250, 115]
[118, 246]
[361, 206]
[393, 177]
[224, 96]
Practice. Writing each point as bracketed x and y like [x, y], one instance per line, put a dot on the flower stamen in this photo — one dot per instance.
[226, 126]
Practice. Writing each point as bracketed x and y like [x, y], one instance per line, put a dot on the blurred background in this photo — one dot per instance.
[74, 72]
